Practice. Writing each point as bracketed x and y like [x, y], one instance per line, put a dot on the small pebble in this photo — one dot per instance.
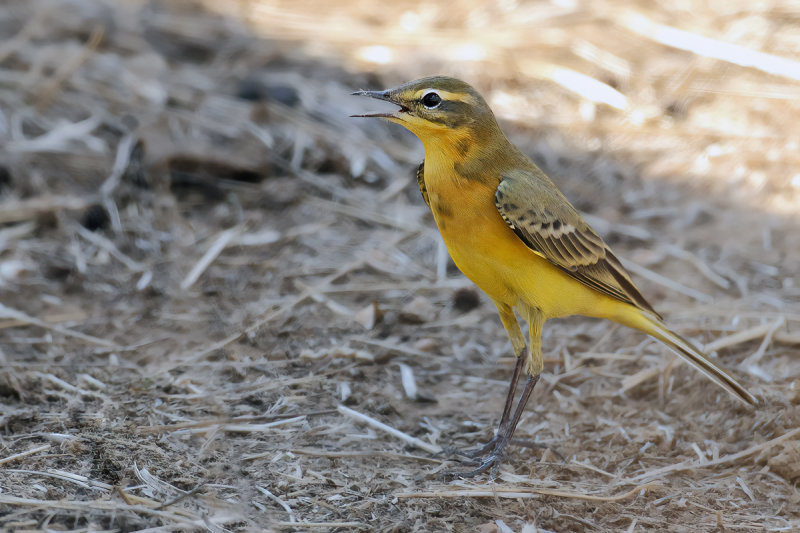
[418, 311]
[466, 300]
[95, 217]
[369, 316]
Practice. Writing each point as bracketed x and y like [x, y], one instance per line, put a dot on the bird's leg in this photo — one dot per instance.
[512, 389]
[518, 345]
[534, 369]
[496, 457]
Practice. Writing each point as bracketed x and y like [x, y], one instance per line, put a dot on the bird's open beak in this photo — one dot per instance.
[386, 96]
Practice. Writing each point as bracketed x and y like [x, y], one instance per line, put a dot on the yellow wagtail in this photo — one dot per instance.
[515, 235]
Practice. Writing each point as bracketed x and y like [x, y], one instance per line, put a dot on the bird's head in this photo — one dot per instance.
[438, 109]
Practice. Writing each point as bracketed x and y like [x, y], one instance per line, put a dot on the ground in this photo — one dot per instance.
[215, 284]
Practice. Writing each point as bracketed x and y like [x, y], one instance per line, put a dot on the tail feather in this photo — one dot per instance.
[684, 349]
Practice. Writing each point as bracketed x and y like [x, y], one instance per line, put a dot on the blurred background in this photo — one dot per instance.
[202, 256]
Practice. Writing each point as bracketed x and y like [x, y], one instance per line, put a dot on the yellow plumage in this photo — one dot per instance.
[509, 230]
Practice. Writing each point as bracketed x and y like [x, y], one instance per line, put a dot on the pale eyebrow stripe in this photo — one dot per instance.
[447, 95]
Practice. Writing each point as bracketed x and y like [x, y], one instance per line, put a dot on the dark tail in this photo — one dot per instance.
[684, 349]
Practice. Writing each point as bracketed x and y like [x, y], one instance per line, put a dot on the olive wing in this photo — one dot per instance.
[549, 225]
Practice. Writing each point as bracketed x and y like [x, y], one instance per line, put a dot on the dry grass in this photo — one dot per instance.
[235, 314]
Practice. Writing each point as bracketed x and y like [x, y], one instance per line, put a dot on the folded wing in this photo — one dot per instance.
[548, 224]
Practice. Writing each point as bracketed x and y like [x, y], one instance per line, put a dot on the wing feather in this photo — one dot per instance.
[548, 224]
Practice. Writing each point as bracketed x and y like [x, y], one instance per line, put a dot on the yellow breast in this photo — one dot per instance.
[489, 253]
[479, 241]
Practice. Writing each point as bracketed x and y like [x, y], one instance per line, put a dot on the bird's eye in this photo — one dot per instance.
[431, 100]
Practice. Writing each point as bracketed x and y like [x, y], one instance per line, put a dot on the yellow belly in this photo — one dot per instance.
[490, 254]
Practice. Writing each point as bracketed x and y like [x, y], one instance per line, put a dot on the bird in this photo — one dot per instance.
[510, 230]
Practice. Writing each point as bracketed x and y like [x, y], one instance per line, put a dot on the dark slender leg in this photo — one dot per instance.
[523, 400]
[512, 389]
[498, 452]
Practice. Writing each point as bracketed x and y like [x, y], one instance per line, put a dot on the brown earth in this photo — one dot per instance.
[207, 268]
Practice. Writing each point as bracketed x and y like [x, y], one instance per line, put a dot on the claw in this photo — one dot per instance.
[492, 462]
[483, 450]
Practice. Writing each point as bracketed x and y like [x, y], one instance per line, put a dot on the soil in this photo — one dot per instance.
[215, 283]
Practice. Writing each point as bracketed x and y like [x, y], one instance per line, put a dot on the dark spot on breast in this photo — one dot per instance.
[443, 209]
[545, 225]
[556, 224]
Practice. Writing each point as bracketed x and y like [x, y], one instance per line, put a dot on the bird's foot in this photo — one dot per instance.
[481, 450]
[498, 444]
[491, 462]
[493, 453]
[490, 446]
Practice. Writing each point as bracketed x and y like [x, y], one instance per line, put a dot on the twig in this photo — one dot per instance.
[708, 47]
[20, 455]
[104, 504]
[666, 282]
[691, 465]
[250, 428]
[326, 453]
[756, 356]
[21, 210]
[111, 248]
[13, 233]
[81, 481]
[124, 495]
[280, 502]
[584, 86]
[61, 137]
[413, 286]
[155, 484]
[523, 492]
[331, 525]
[394, 347]
[7, 312]
[738, 337]
[183, 496]
[602, 58]
[704, 269]
[412, 441]
[592, 468]
[67, 386]
[121, 161]
[331, 304]
[787, 338]
[634, 380]
[212, 253]
[229, 424]
[94, 381]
